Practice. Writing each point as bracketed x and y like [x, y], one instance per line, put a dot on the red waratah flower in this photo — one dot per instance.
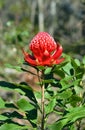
[45, 51]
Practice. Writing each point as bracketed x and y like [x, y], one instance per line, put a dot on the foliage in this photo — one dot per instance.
[64, 96]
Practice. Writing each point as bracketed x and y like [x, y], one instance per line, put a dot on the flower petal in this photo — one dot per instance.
[45, 51]
[58, 61]
[29, 59]
[58, 52]
[45, 63]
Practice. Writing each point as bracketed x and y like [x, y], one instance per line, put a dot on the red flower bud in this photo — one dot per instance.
[45, 51]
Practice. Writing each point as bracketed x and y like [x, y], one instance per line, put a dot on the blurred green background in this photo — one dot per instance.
[20, 20]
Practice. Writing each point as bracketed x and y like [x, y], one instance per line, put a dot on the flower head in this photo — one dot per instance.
[45, 51]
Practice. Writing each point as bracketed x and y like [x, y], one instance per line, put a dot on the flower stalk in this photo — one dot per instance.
[42, 107]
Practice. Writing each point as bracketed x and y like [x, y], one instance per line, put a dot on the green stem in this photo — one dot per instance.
[42, 107]
[42, 99]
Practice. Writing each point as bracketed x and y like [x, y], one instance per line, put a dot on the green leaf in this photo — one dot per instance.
[68, 82]
[78, 68]
[18, 68]
[2, 118]
[75, 114]
[64, 95]
[24, 104]
[40, 67]
[48, 70]
[77, 62]
[74, 64]
[15, 87]
[83, 60]
[72, 115]
[67, 57]
[19, 91]
[74, 100]
[58, 125]
[47, 95]
[11, 126]
[49, 81]
[50, 106]
[60, 73]
[67, 68]
[2, 103]
[37, 94]
[73, 127]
